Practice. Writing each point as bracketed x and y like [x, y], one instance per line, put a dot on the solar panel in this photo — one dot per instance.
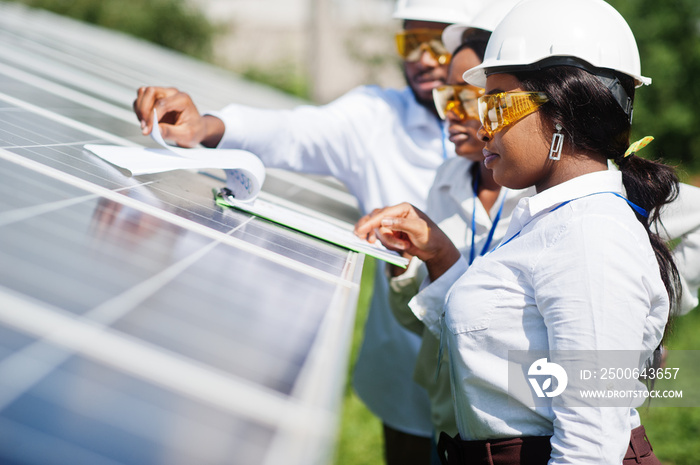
[139, 322]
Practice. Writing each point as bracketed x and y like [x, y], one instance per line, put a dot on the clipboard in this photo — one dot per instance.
[309, 225]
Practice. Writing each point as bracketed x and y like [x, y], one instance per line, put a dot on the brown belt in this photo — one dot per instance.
[529, 450]
[639, 446]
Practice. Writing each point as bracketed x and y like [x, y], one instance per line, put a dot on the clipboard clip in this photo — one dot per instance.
[223, 197]
[226, 193]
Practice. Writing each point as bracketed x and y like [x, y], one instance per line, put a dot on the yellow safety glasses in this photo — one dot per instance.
[461, 100]
[496, 111]
[412, 43]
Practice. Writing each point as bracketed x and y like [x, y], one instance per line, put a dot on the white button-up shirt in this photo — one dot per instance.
[681, 222]
[385, 147]
[579, 277]
[453, 206]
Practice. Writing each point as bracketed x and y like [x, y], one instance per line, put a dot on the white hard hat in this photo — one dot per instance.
[440, 11]
[486, 19]
[590, 33]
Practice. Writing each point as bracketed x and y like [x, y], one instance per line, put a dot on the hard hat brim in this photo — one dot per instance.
[476, 76]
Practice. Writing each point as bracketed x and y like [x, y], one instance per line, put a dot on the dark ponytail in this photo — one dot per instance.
[593, 122]
[652, 185]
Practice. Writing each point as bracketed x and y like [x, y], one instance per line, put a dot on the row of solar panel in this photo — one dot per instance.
[139, 322]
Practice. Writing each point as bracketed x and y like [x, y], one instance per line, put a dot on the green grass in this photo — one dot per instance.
[674, 432]
[360, 441]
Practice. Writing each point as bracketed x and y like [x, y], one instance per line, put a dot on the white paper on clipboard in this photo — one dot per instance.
[245, 173]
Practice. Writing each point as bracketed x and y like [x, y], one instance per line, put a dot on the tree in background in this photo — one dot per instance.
[668, 36]
[171, 23]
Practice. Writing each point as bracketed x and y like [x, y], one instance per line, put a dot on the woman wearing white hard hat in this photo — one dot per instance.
[581, 279]
[464, 200]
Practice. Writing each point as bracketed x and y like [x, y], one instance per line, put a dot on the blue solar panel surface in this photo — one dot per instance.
[139, 322]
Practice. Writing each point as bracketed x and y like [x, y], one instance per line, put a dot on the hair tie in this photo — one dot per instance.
[637, 146]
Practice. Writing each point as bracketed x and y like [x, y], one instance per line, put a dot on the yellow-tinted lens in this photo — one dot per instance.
[441, 95]
[496, 111]
[411, 45]
[461, 100]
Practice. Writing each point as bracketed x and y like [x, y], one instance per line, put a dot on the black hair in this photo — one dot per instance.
[475, 39]
[594, 122]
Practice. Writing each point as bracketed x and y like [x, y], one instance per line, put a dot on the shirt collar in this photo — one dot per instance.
[455, 176]
[599, 181]
[416, 114]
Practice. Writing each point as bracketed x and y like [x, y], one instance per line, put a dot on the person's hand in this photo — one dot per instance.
[406, 229]
[178, 117]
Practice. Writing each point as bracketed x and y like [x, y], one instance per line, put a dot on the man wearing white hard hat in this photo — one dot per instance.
[384, 145]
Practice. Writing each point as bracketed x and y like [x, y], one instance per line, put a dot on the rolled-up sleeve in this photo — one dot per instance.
[680, 222]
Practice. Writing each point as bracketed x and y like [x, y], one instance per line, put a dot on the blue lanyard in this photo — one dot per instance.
[639, 210]
[443, 129]
[489, 238]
